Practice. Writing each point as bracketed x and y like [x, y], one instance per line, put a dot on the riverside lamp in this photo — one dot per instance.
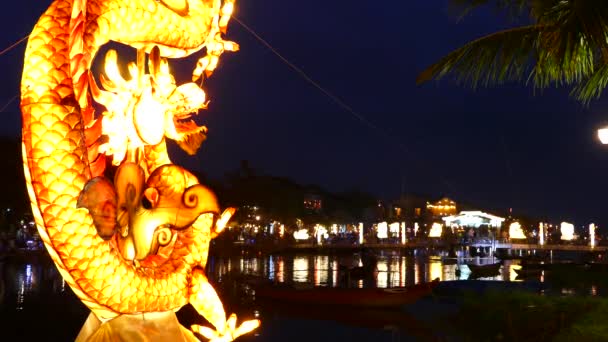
[602, 134]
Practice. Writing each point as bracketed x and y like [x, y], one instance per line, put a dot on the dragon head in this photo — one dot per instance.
[150, 201]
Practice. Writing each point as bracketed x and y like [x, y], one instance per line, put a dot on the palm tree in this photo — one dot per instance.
[564, 44]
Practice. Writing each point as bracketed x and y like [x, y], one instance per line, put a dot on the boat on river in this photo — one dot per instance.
[525, 272]
[356, 297]
[488, 270]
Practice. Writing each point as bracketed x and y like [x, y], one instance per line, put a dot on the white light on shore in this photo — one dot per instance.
[567, 230]
[360, 232]
[602, 134]
[382, 230]
[301, 234]
[592, 235]
[334, 228]
[541, 234]
[436, 230]
[403, 236]
[393, 228]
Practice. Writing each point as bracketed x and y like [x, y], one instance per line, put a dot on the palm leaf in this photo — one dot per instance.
[592, 87]
[567, 45]
[498, 57]
[515, 9]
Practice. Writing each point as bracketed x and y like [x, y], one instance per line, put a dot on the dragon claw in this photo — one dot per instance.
[229, 332]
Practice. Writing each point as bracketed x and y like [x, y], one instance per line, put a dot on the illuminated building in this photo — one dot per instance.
[443, 207]
[474, 220]
[313, 202]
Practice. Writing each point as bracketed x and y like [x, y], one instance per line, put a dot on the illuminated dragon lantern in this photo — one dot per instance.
[133, 248]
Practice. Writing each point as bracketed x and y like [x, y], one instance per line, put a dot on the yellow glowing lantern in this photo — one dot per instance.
[134, 248]
[515, 231]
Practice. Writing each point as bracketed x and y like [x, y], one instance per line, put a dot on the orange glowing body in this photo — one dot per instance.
[137, 244]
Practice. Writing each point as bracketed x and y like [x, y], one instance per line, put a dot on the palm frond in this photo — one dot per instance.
[592, 87]
[515, 9]
[502, 56]
[567, 44]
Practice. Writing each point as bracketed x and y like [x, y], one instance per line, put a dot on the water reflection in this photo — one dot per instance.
[30, 280]
[393, 269]
[21, 281]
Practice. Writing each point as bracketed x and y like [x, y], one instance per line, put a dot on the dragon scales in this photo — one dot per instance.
[137, 244]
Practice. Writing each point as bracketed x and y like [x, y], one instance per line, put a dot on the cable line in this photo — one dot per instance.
[9, 102]
[334, 98]
[14, 45]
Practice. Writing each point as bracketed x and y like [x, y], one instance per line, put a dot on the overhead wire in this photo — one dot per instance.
[333, 97]
[9, 102]
[12, 46]
[5, 50]
[302, 74]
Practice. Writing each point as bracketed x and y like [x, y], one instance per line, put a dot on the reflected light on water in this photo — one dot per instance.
[26, 284]
[449, 272]
[435, 270]
[393, 270]
[300, 269]
[382, 277]
[321, 270]
[271, 268]
[334, 273]
[512, 273]
[280, 270]
[402, 264]
[394, 278]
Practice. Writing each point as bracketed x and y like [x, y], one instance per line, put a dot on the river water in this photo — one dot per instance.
[36, 303]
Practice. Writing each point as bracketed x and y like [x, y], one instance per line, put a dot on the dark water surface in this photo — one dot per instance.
[35, 302]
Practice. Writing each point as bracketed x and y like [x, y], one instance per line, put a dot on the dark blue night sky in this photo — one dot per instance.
[498, 148]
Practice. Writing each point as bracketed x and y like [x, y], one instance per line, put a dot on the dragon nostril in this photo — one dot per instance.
[146, 203]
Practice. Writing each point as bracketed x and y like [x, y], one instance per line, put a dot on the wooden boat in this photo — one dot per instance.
[484, 270]
[365, 297]
[528, 272]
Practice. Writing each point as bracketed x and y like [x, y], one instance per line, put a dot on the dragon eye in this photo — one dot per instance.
[178, 6]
